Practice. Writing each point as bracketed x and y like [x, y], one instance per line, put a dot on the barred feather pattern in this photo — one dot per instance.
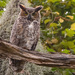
[25, 34]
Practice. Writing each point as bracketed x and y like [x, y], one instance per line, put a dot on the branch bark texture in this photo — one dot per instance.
[8, 50]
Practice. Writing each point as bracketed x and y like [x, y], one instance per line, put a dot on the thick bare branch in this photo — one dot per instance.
[8, 50]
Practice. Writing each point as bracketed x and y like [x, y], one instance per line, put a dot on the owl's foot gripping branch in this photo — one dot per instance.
[8, 50]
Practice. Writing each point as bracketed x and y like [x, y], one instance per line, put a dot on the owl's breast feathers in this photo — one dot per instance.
[25, 33]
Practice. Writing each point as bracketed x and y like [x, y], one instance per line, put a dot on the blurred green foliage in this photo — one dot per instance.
[57, 24]
[2, 5]
[58, 27]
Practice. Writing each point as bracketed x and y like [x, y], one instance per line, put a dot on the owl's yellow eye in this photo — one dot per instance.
[35, 14]
[26, 13]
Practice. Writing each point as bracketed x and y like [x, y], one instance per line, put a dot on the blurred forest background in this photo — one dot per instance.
[57, 27]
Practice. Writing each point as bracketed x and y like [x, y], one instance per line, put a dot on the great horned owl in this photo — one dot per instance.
[25, 32]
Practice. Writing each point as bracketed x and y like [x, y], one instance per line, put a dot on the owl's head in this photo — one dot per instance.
[30, 13]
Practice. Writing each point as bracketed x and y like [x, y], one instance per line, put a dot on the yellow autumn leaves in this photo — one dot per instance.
[61, 20]
[71, 17]
[73, 26]
[53, 41]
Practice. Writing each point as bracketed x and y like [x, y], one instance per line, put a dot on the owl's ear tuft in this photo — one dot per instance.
[22, 7]
[38, 8]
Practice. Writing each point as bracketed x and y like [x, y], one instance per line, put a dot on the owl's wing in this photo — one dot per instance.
[13, 36]
[34, 45]
[37, 34]
[15, 33]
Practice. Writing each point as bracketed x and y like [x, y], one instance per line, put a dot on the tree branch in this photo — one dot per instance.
[8, 50]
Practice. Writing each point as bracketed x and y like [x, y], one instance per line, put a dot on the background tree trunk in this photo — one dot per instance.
[6, 22]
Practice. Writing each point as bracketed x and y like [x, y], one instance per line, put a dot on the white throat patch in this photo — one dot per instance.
[31, 25]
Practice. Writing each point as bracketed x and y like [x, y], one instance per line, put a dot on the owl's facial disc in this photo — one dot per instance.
[30, 13]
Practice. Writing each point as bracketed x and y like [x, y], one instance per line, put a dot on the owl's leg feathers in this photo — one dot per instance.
[16, 65]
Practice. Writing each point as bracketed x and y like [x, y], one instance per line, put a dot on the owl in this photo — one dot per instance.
[25, 32]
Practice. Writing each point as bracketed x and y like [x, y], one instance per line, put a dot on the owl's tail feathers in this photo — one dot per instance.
[16, 65]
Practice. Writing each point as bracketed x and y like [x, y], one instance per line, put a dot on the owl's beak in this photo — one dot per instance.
[29, 17]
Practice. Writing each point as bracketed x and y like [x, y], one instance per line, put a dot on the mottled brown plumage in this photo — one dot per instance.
[25, 32]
